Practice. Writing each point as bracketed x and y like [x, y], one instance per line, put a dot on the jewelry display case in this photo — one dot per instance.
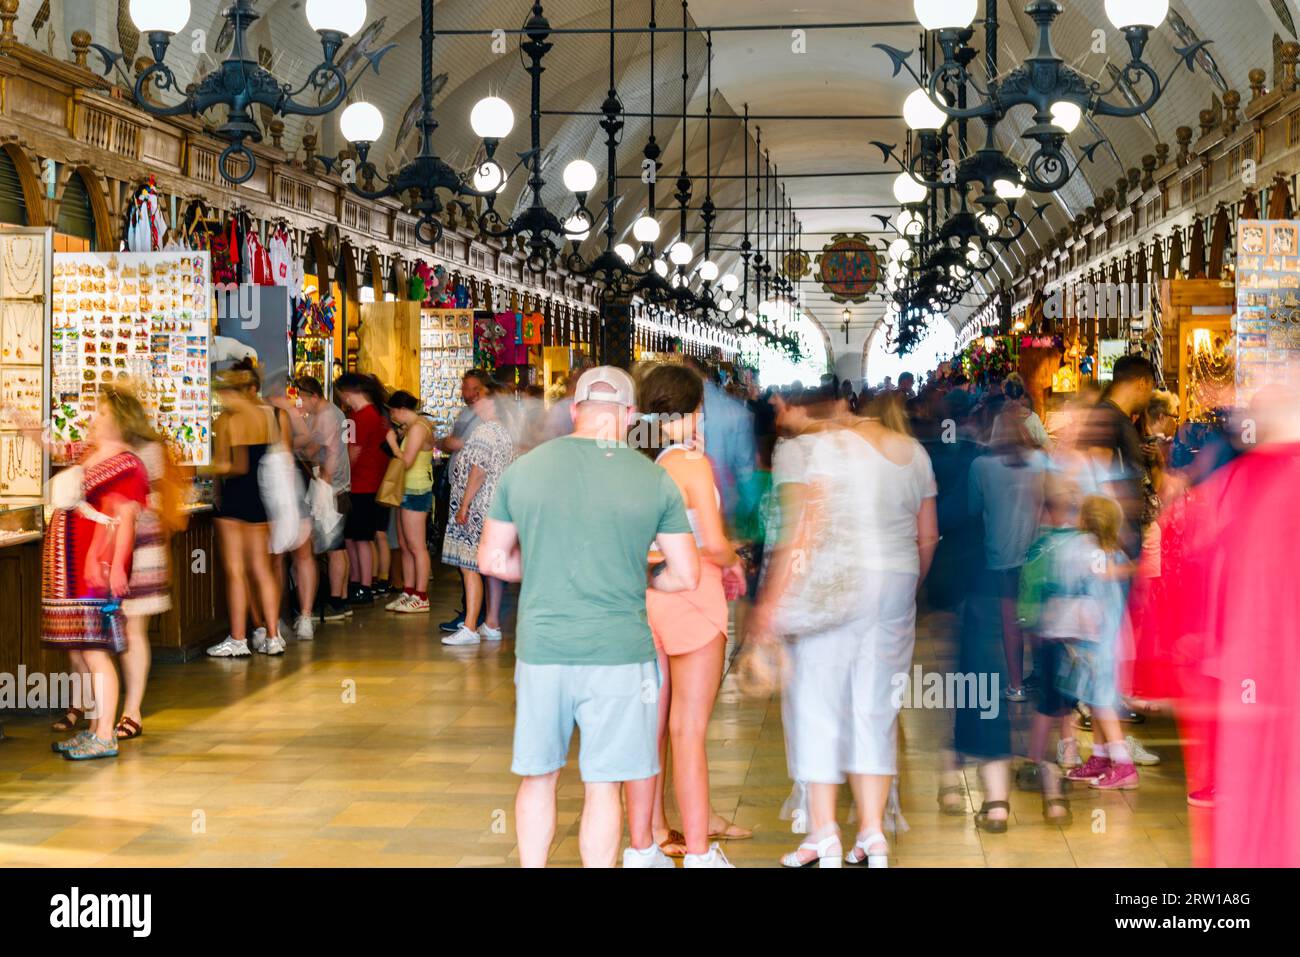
[26, 256]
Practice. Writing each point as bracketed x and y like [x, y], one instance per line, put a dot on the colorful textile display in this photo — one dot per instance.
[145, 223]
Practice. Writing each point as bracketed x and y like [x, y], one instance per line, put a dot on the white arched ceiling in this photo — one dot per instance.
[825, 72]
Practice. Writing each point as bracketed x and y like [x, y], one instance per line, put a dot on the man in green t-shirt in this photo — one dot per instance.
[574, 520]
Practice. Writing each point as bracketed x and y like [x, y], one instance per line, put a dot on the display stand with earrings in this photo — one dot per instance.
[26, 336]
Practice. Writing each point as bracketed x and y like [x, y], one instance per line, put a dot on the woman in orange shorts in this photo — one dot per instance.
[690, 628]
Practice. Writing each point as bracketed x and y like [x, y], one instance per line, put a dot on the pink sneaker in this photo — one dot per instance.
[1120, 777]
[1094, 768]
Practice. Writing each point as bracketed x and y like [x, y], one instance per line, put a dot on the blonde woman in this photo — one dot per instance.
[244, 431]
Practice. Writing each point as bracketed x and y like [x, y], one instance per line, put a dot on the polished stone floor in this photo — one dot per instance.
[377, 746]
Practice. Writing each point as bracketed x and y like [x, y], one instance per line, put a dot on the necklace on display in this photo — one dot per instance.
[23, 274]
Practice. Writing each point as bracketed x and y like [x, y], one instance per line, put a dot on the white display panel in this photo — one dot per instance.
[140, 319]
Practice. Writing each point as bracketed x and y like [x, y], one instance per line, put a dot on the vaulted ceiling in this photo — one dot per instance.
[826, 72]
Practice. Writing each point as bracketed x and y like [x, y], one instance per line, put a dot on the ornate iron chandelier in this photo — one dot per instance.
[1059, 95]
[240, 82]
[428, 175]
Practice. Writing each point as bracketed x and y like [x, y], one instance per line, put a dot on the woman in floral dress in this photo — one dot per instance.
[475, 472]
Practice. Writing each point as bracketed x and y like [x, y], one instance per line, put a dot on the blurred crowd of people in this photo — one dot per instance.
[1096, 562]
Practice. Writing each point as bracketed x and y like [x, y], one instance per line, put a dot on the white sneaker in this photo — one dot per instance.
[259, 640]
[462, 637]
[715, 858]
[654, 857]
[230, 648]
[415, 605]
[304, 628]
[397, 603]
[274, 646]
[489, 634]
[1140, 754]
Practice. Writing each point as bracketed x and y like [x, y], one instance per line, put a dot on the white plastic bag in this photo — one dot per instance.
[282, 495]
[325, 516]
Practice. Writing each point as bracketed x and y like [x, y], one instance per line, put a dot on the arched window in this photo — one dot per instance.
[778, 369]
[939, 344]
[13, 204]
[76, 217]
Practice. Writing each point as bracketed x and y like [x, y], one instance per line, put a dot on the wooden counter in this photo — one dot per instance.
[197, 616]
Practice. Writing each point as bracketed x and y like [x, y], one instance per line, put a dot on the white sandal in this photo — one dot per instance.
[828, 852]
[861, 852]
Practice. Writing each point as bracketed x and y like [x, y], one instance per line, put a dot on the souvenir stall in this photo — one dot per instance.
[1267, 323]
[1200, 346]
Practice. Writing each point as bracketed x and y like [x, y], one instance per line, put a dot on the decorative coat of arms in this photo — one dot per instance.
[849, 268]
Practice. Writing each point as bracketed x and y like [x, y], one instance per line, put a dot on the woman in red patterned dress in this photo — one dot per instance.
[87, 567]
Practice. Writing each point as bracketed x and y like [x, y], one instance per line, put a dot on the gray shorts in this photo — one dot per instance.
[616, 709]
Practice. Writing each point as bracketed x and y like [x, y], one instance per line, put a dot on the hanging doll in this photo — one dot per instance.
[145, 223]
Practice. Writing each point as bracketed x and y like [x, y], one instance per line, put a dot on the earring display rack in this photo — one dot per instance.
[26, 271]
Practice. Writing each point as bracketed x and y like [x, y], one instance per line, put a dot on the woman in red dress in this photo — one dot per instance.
[87, 567]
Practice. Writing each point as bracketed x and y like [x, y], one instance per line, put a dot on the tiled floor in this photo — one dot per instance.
[376, 745]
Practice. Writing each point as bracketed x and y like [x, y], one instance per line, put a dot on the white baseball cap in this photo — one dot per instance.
[620, 389]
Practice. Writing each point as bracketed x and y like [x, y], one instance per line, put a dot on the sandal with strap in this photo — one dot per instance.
[91, 748]
[957, 809]
[861, 852]
[128, 728]
[992, 825]
[71, 718]
[674, 845]
[1060, 820]
[731, 831]
[60, 747]
[828, 851]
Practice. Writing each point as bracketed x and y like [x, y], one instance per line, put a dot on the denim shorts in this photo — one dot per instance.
[616, 709]
[418, 501]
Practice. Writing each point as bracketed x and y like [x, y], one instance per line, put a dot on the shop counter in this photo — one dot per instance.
[196, 619]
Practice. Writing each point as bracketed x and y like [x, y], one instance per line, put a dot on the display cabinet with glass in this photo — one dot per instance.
[26, 255]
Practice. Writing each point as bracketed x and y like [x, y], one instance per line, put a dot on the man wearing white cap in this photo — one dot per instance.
[574, 520]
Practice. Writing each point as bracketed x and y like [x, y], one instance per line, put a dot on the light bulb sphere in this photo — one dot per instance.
[361, 122]
[730, 283]
[160, 16]
[1006, 189]
[1066, 116]
[708, 270]
[921, 114]
[661, 268]
[680, 253]
[725, 304]
[625, 253]
[946, 14]
[579, 177]
[908, 191]
[341, 16]
[646, 229]
[899, 248]
[1137, 13]
[492, 118]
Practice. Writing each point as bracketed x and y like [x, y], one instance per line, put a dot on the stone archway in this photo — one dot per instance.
[30, 182]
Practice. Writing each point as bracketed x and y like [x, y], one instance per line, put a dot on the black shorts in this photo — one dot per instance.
[1050, 659]
[365, 518]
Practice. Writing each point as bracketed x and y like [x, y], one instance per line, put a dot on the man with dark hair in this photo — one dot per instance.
[1112, 430]
[907, 384]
